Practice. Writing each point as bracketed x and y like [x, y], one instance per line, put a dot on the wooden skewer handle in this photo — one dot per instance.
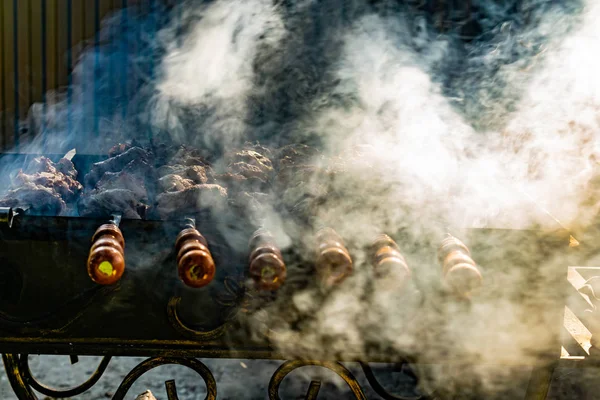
[106, 260]
[195, 265]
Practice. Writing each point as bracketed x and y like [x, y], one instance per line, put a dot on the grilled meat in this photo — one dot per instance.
[118, 184]
[44, 187]
[196, 197]
[35, 197]
[118, 163]
[102, 203]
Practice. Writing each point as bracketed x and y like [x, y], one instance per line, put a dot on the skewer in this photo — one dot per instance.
[333, 262]
[106, 260]
[388, 262]
[458, 268]
[266, 266]
[195, 265]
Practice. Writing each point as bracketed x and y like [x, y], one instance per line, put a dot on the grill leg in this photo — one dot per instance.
[539, 383]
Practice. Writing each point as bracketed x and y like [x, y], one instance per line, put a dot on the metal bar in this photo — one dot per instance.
[16, 72]
[62, 393]
[313, 390]
[171, 390]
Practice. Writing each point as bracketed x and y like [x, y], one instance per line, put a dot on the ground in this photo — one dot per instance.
[245, 379]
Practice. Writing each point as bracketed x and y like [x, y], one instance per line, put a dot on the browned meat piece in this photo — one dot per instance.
[40, 164]
[196, 173]
[295, 155]
[188, 156]
[174, 183]
[119, 149]
[44, 187]
[122, 191]
[66, 187]
[240, 183]
[37, 198]
[123, 180]
[118, 163]
[265, 151]
[105, 202]
[66, 167]
[251, 163]
[197, 197]
[247, 171]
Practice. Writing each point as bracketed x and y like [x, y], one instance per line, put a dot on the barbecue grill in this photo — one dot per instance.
[154, 302]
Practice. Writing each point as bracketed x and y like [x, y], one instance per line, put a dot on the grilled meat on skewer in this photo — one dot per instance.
[195, 197]
[185, 185]
[116, 164]
[44, 187]
[118, 184]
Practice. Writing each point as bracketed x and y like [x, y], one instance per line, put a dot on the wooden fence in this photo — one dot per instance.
[40, 40]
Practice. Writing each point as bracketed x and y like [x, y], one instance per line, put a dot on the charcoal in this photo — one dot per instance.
[194, 198]
[104, 203]
[118, 163]
[66, 187]
[174, 183]
[37, 198]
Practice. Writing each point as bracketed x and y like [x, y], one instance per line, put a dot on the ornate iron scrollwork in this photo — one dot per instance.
[313, 390]
[28, 378]
[380, 390]
[184, 330]
[147, 365]
[24, 384]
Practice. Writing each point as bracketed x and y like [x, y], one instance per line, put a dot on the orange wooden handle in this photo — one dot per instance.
[459, 270]
[267, 268]
[388, 262]
[106, 260]
[195, 265]
[333, 262]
